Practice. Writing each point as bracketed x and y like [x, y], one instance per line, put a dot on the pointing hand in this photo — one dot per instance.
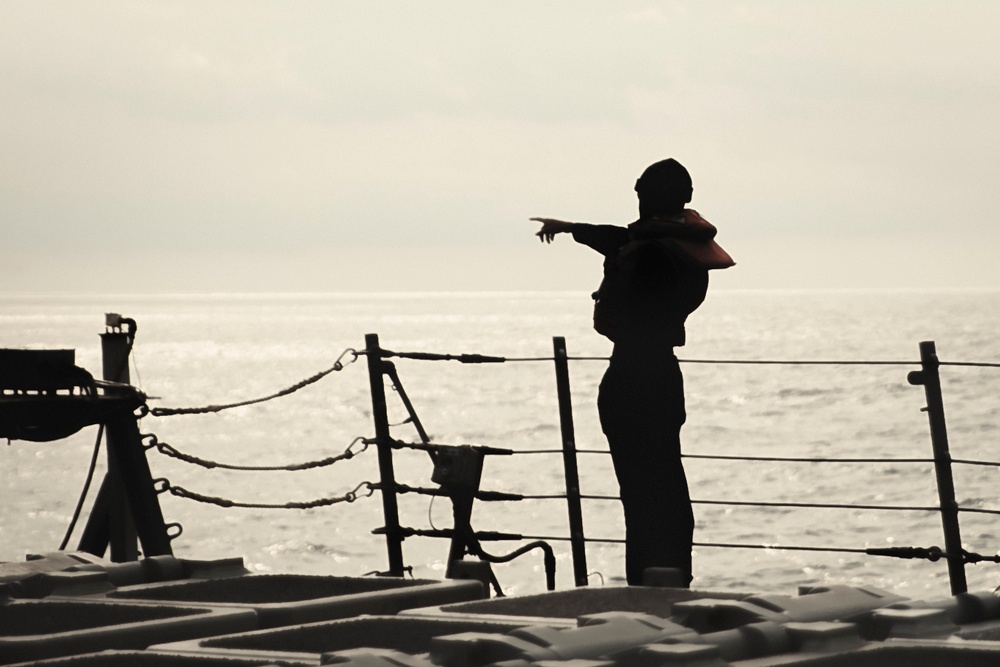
[551, 227]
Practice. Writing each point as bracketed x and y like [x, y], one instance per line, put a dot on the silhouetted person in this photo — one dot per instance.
[655, 275]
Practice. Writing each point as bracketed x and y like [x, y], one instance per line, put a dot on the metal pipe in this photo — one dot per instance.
[930, 378]
[577, 537]
[383, 440]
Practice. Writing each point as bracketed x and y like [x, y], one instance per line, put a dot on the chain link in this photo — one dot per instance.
[171, 451]
[337, 366]
[348, 497]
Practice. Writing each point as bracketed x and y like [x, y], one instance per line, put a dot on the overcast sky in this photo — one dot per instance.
[334, 146]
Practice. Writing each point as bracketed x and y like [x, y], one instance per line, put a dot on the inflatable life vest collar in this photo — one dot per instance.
[687, 224]
[686, 236]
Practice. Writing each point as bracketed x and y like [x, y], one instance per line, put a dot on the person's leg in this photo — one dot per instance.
[658, 517]
[641, 411]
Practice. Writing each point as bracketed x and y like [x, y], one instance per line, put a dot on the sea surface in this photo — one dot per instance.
[196, 350]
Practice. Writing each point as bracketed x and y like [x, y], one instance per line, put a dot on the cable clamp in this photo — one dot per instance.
[350, 453]
[339, 364]
[351, 496]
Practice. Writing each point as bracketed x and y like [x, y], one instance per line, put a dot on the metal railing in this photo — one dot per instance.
[458, 469]
[927, 376]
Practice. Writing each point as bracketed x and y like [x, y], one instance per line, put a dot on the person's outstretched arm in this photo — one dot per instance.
[605, 239]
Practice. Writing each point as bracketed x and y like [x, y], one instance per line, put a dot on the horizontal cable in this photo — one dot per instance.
[495, 495]
[786, 459]
[754, 503]
[778, 547]
[441, 492]
[778, 362]
[807, 362]
[484, 535]
[976, 463]
[976, 364]
[784, 362]
[559, 451]
[550, 538]
[931, 554]
[976, 510]
[503, 496]
[432, 447]
[720, 545]
[836, 506]
[782, 459]
[799, 362]
[487, 496]
[793, 459]
[461, 358]
[481, 358]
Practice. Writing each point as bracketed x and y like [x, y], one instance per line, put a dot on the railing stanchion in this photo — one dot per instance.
[126, 507]
[393, 534]
[930, 378]
[577, 538]
[121, 525]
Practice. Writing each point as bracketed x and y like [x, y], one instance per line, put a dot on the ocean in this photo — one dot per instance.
[204, 349]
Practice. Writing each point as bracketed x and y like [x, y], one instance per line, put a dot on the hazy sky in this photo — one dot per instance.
[403, 145]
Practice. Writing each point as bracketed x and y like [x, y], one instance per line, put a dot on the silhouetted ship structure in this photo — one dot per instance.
[141, 605]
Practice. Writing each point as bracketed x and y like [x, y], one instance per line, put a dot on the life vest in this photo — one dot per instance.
[694, 258]
[701, 254]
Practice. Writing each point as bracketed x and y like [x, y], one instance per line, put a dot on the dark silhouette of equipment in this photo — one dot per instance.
[458, 470]
[46, 397]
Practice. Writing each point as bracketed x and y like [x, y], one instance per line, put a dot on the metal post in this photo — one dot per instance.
[122, 536]
[145, 515]
[126, 508]
[929, 377]
[393, 534]
[577, 539]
